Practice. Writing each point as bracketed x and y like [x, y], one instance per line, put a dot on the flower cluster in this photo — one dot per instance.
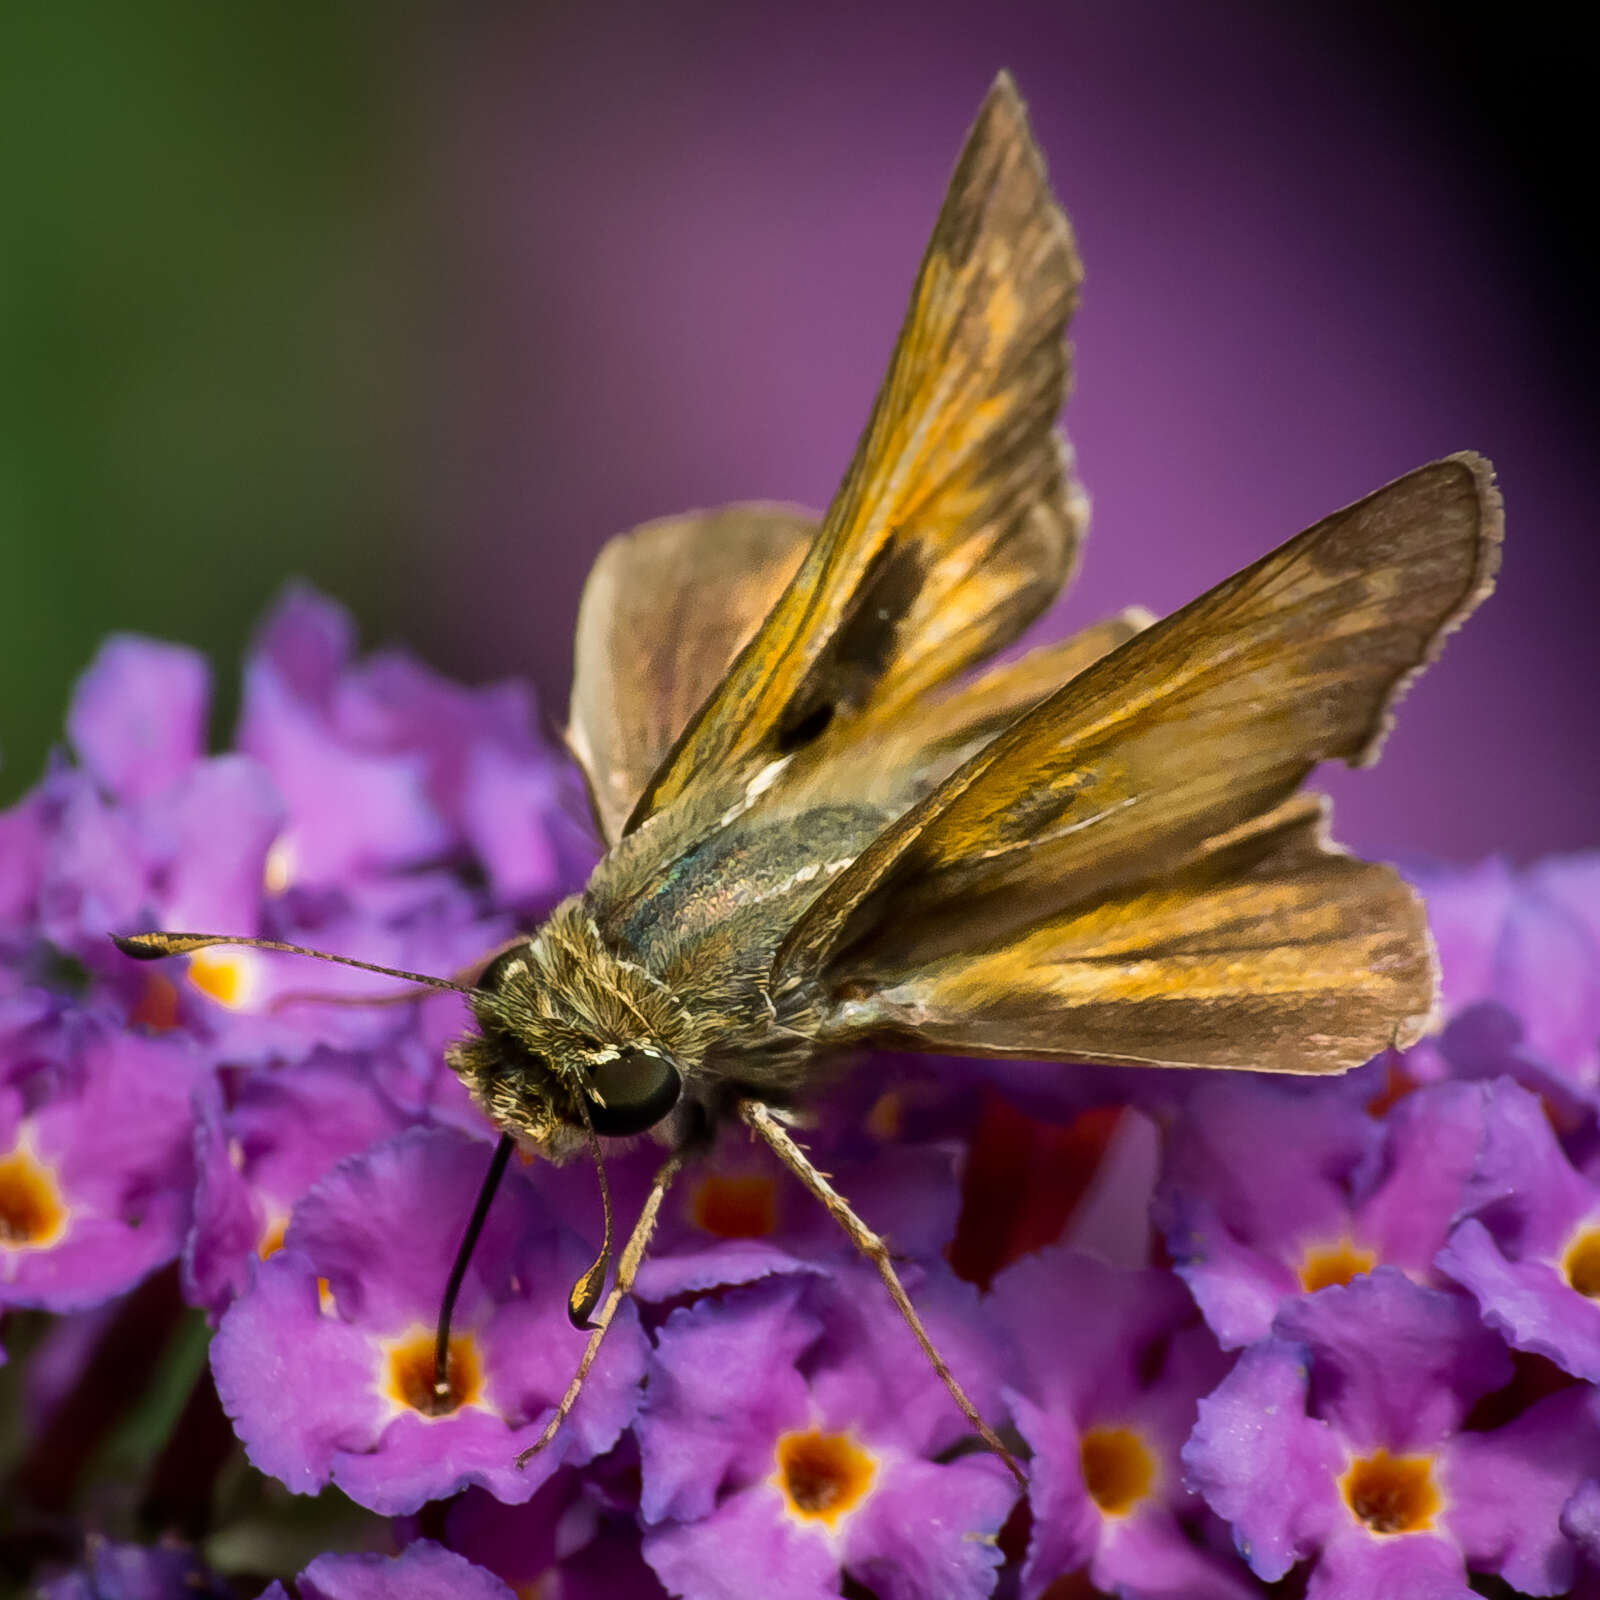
[1242, 1331]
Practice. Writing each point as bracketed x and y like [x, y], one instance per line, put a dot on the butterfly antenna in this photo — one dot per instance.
[154, 946]
[458, 1270]
[587, 1290]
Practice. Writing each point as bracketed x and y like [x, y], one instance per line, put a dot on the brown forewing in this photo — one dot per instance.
[1200, 722]
[909, 754]
[958, 519]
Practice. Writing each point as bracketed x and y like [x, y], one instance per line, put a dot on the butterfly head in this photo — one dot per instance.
[571, 1038]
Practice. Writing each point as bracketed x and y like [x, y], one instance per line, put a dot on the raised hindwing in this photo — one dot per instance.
[666, 609]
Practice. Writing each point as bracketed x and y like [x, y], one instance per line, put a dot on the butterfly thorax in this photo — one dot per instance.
[666, 951]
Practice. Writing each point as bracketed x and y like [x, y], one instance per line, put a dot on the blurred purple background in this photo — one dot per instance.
[683, 244]
[653, 257]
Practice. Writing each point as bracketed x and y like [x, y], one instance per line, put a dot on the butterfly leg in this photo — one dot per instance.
[627, 1271]
[762, 1120]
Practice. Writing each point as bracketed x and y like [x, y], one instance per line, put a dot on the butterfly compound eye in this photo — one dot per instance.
[638, 1087]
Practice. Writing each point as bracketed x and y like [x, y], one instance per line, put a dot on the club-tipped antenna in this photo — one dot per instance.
[587, 1290]
[458, 1269]
[154, 946]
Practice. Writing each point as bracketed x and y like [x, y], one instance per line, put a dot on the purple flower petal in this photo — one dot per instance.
[743, 1216]
[1432, 1141]
[1237, 1288]
[1067, 1525]
[1529, 1303]
[108, 1157]
[1150, 1554]
[1361, 1566]
[135, 1572]
[870, 1375]
[138, 715]
[797, 1388]
[723, 1384]
[1263, 1464]
[23, 831]
[93, 877]
[1506, 1489]
[1547, 971]
[220, 822]
[1572, 882]
[747, 1546]
[422, 1571]
[351, 810]
[275, 1347]
[1397, 1366]
[306, 641]
[1082, 1328]
[509, 804]
[284, 1132]
[1257, 1176]
[1580, 1518]
[1523, 1187]
[1466, 910]
[927, 1532]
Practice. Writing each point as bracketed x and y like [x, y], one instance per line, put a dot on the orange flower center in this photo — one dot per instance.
[1325, 1265]
[735, 1207]
[272, 1237]
[1392, 1494]
[1118, 1469]
[32, 1215]
[411, 1373]
[1582, 1262]
[227, 978]
[823, 1475]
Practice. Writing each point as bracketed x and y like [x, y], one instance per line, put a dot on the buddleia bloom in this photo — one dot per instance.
[1240, 1332]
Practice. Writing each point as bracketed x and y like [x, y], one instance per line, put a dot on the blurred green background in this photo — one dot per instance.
[207, 256]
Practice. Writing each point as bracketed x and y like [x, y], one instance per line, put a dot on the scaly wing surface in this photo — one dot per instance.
[666, 609]
[1195, 727]
[958, 519]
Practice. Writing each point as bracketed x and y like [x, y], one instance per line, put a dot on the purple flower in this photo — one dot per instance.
[1525, 945]
[258, 1156]
[96, 1172]
[1271, 1192]
[1112, 1364]
[138, 716]
[577, 1538]
[792, 1431]
[351, 777]
[384, 764]
[1340, 1439]
[325, 1363]
[136, 1572]
[422, 1571]
[1529, 1251]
